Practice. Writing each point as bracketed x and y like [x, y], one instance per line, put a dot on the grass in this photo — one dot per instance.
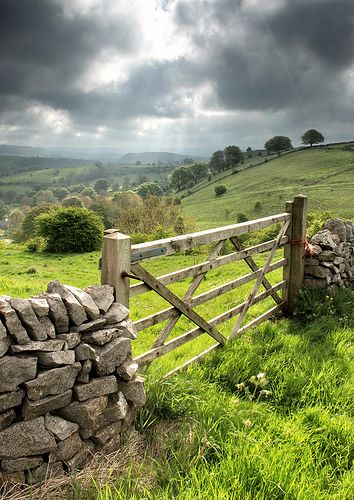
[23, 274]
[325, 175]
[211, 433]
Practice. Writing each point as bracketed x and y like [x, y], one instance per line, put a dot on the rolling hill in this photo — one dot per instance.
[325, 174]
[157, 157]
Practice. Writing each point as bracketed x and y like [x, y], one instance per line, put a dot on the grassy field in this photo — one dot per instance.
[325, 175]
[86, 172]
[23, 274]
[270, 416]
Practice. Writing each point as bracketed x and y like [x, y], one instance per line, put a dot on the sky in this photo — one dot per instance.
[189, 76]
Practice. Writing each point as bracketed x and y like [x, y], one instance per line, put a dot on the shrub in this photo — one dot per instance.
[312, 305]
[315, 221]
[35, 244]
[242, 218]
[72, 201]
[70, 230]
[219, 190]
[28, 226]
[257, 206]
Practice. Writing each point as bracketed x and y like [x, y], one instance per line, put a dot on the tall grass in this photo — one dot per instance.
[269, 416]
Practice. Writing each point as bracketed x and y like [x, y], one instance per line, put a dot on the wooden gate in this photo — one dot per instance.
[122, 262]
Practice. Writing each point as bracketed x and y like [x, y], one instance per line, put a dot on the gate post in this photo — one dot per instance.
[115, 261]
[295, 251]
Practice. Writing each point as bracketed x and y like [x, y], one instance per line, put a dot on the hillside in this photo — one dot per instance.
[156, 157]
[324, 174]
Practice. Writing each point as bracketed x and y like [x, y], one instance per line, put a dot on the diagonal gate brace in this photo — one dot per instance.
[170, 297]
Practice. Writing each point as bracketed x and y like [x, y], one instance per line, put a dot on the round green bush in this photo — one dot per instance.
[71, 230]
[219, 190]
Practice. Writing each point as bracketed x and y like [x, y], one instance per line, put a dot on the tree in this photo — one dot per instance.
[69, 230]
[101, 185]
[45, 196]
[277, 144]
[217, 162]
[233, 156]
[148, 189]
[15, 219]
[88, 191]
[28, 226]
[72, 201]
[200, 171]
[60, 192]
[4, 210]
[311, 137]
[182, 178]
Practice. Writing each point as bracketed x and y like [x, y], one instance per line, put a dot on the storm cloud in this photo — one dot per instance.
[175, 73]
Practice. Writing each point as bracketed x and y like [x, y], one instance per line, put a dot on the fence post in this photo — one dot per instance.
[287, 255]
[115, 260]
[296, 250]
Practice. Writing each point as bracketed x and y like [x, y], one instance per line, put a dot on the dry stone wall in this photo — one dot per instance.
[329, 261]
[68, 385]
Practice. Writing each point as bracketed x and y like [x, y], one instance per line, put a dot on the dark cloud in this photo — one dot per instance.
[271, 59]
[322, 28]
[43, 48]
[284, 61]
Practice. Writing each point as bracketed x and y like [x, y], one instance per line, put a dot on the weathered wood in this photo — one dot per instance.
[189, 241]
[157, 352]
[231, 285]
[253, 266]
[115, 260]
[237, 309]
[259, 279]
[260, 319]
[212, 348]
[170, 297]
[191, 361]
[171, 312]
[193, 287]
[182, 274]
[297, 244]
[287, 254]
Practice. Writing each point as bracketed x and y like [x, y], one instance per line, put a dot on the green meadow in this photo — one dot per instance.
[324, 174]
[268, 416]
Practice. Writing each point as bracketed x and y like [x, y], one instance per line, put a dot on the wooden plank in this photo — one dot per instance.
[191, 361]
[287, 255]
[260, 319]
[193, 287]
[115, 261]
[182, 274]
[298, 236]
[212, 348]
[259, 279]
[156, 318]
[253, 266]
[237, 309]
[231, 285]
[170, 297]
[189, 241]
[157, 352]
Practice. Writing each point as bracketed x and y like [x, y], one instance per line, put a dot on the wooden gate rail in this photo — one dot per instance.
[121, 261]
[196, 332]
[154, 319]
[176, 276]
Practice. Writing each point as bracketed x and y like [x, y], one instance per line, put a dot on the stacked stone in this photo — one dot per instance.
[331, 259]
[68, 385]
